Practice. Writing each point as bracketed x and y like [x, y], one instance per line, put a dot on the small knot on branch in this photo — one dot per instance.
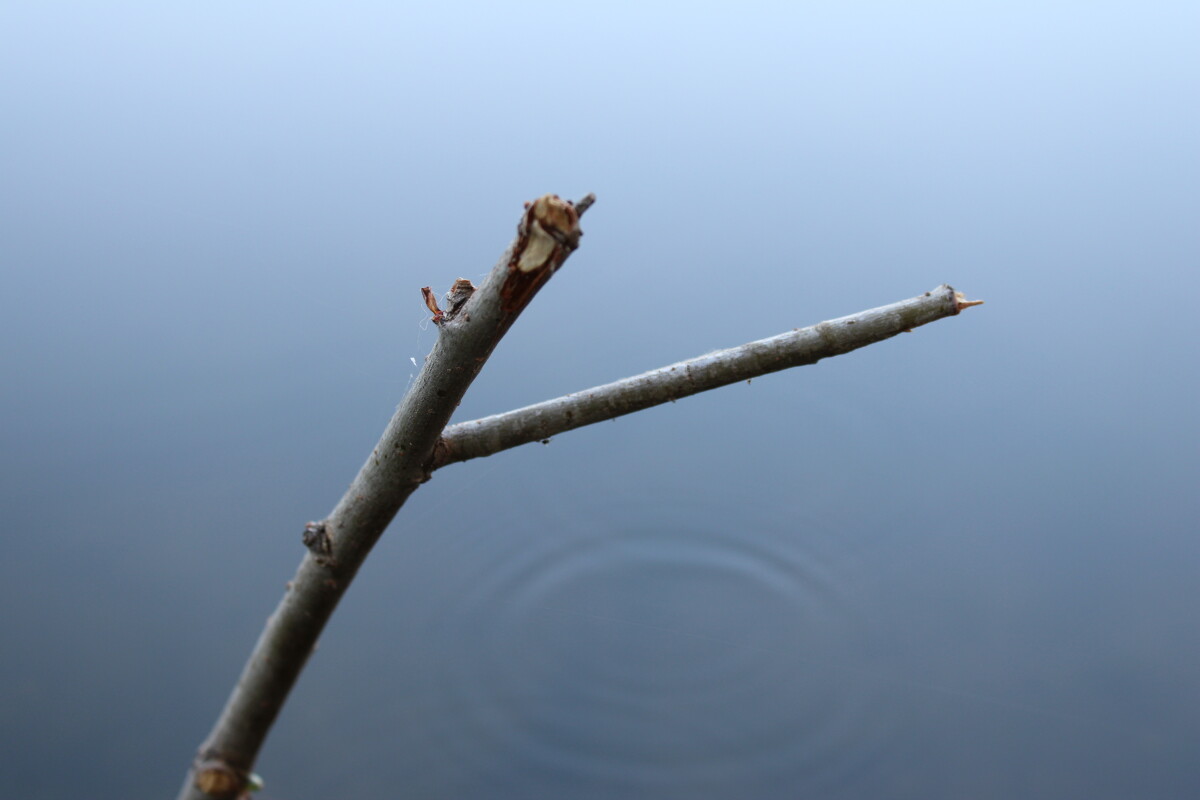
[319, 542]
[458, 295]
[217, 778]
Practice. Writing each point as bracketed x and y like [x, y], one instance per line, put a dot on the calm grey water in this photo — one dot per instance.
[962, 563]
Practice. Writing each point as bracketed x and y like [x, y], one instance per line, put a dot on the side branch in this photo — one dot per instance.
[483, 437]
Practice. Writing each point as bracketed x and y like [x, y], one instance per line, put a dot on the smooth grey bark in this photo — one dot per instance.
[417, 441]
[483, 437]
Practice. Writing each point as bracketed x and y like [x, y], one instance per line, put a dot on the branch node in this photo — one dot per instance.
[319, 542]
[458, 295]
[217, 778]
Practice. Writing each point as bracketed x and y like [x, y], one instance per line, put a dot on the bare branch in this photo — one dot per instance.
[483, 437]
[468, 332]
[417, 441]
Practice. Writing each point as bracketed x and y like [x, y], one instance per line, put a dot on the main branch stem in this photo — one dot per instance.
[401, 461]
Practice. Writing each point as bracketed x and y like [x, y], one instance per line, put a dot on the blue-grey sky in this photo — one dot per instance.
[959, 563]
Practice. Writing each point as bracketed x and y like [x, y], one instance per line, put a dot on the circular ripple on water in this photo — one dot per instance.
[662, 658]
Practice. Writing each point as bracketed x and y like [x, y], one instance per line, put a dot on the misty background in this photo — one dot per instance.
[960, 563]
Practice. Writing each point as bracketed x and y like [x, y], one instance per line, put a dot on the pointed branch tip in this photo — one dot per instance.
[962, 302]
